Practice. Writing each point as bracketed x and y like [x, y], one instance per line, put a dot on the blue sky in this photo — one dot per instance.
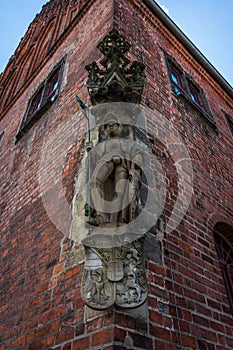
[207, 23]
[15, 17]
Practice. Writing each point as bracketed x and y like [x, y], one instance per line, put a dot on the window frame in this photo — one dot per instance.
[52, 93]
[45, 95]
[1, 135]
[224, 247]
[194, 93]
[177, 87]
[189, 89]
[229, 122]
[34, 104]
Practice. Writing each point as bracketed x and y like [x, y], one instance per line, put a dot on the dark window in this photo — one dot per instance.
[194, 93]
[35, 104]
[42, 99]
[225, 256]
[176, 79]
[183, 85]
[52, 86]
[230, 122]
[1, 135]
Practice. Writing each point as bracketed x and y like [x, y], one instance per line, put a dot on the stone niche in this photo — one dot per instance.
[111, 215]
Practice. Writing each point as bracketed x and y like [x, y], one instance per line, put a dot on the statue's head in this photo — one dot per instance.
[112, 126]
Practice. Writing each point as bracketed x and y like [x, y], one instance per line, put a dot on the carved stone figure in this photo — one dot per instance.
[116, 178]
[96, 289]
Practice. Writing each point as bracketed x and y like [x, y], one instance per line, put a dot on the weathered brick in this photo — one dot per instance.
[81, 344]
[19, 342]
[103, 336]
[64, 335]
[189, 341]
[142, 341]
[73, 271]
[155, 316]
[41, 304]
[201, 321]
[119, 334]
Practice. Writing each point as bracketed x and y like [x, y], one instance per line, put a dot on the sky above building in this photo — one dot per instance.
[207, 23]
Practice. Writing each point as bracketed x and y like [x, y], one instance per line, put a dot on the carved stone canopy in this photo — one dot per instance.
[116, 82]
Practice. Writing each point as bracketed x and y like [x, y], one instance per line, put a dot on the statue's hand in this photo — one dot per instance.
[116, 160]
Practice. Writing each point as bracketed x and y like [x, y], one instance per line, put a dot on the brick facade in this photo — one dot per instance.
[41, 266]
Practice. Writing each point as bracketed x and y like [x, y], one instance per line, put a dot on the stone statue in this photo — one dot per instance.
[114, 271]
[116, 178]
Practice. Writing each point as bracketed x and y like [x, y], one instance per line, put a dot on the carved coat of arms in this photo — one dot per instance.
[115, 276]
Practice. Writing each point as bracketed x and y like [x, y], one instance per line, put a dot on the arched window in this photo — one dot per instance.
[223, 236]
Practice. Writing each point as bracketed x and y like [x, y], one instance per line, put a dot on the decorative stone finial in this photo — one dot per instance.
[116, 82]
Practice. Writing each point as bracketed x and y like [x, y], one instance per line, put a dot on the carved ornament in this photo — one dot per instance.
[116, 81]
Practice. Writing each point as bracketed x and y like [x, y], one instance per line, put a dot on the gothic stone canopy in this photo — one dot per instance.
[116, 82]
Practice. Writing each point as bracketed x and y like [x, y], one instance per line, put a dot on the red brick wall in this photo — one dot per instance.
[40, 296]
[41, 268]
[203, 308]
